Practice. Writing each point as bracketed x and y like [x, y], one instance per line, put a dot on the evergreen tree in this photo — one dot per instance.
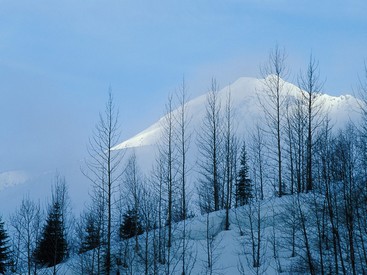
[244, 190]
[4, 249]
[92, 238]
[52, 248]
[131, 225]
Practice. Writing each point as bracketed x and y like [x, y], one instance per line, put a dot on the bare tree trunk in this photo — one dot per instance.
[167, 150]
[103, 167]
[184, 141]
[230, 156]
[316, 209]
[273, 103]
[209, 145]
[258, 149]
[310, 87]
[305, 237]
[291, 143]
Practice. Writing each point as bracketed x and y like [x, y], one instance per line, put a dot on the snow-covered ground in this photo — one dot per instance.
[230, 250]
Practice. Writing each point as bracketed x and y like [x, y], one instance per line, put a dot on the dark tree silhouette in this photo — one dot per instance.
[92, 238]
[4, 249]
[52, 248]
[244, 190]
[131, 225]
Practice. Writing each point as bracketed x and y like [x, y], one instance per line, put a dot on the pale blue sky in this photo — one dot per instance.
[58, 58]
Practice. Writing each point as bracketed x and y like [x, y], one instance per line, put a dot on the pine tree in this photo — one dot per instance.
[92, 238]
[244, 190]
[52, 248]
[131, 225]
[4, 249]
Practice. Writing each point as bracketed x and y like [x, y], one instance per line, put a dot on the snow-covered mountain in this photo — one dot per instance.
[246, 112]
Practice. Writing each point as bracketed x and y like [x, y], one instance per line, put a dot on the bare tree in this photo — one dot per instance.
[290, 223]
[131, 191]
[273, 103]
[103, 166]
[158, 180]
[184, 138]
[26, 225]
[290, 148]
[251, 222]
[97, 211]
[214, 224]
[210, 148]
[362, 170]
[346, 158]
[325, 146]
[259, 160]
[310, 86]
[305, 235]
[167, 173]
[297, 125]
[256, 230]
[362, 94]
[149, 218]
[230, 155]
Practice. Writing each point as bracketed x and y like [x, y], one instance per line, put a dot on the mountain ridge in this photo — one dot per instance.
[244, 95]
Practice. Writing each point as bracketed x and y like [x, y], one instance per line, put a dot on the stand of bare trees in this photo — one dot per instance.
[26, 230]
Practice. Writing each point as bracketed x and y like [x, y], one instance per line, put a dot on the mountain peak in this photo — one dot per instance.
[244, 96]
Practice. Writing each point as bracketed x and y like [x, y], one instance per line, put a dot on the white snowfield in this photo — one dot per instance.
[247, 112]
[246, 94]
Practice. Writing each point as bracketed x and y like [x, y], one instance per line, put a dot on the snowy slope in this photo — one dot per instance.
[231, 250]
[14, 185]
[243, 93]
[247, 112]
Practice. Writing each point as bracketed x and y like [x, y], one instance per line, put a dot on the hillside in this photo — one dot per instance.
[230, 250]
[247, 112]
[300, 230]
